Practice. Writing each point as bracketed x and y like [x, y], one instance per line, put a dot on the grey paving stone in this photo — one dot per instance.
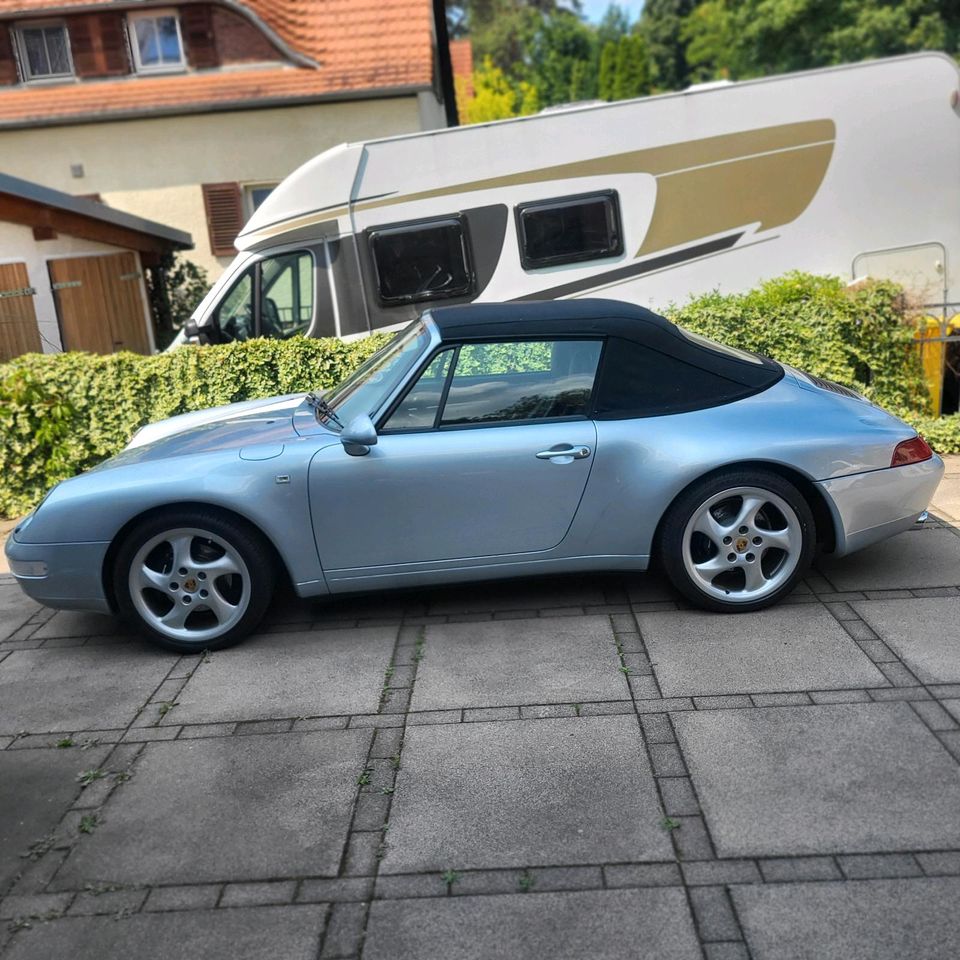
[648, 924]
[15, 609]
[252, 934]
[642, 875]
[34, 905]
[869, 920]
[76, 623]
[857, 778]
[541, 594]
[188, 897]
[510, 794]
[258, 807]
[715, 919]
[37, 788]
[81, 688]
[321, 673]
[245, 894]
[800, 648]
[791, 869]
[866, 866]
[944, 863]
[925, 558]
[923, 633]
[501, 663]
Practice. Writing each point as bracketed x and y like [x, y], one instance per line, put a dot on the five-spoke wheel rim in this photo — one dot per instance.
[742, 544]
[189, 584]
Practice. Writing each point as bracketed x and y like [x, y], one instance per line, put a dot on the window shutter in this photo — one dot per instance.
[8, 66]
[196, 26]
[98, 45]
[82, 47]
[113, 43]
[223, 203]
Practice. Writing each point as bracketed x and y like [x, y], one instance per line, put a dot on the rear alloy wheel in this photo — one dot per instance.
[739, 541]
[193, 581]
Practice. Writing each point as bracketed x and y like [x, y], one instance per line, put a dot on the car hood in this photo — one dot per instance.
[252, 423]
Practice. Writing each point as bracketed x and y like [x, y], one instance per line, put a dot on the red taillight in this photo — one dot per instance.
[911, 451]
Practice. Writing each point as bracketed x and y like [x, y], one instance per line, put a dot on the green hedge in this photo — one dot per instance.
[61, 414]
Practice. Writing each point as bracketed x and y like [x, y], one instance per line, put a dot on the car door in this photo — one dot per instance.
[486, 455]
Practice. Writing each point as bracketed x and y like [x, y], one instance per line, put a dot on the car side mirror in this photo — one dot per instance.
[358, 436]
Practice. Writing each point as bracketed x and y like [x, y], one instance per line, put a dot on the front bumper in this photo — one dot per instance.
[869, 507]
[66, 576]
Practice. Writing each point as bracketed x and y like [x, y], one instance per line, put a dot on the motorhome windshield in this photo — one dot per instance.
[365, 390]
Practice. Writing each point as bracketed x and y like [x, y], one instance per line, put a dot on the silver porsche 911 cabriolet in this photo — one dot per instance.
[493, 440]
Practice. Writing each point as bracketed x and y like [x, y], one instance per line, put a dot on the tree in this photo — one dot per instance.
[632, 77]
[562, 42]
[608, 71]
[751, 38]
[174, 287]
[659, 25]
[496, 98]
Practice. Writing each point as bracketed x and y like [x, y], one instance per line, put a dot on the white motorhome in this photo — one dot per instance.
[853, 171]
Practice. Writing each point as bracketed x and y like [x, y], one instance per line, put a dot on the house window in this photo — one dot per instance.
[156, 41]
[44, 51]
[421, 261]
[569, 229]
[254, 194]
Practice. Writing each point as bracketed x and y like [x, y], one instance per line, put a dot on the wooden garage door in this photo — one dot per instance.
[18, 321]
[100, 303]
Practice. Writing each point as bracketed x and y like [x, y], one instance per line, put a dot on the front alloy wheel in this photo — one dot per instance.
[192, 581]
[738, 542]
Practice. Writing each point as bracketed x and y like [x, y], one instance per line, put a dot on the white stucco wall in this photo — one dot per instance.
[18, 246]
[154, 168]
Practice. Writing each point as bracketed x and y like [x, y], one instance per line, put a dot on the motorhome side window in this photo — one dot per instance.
[421, 261]
[569, 229]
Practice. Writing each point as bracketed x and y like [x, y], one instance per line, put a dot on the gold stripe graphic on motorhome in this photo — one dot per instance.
[766, 176]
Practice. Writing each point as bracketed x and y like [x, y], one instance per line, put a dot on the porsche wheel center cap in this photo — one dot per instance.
[741, 544]
[190, 585]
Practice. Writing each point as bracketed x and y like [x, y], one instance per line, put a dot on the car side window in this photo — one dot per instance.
[418, 409]
[521, 381]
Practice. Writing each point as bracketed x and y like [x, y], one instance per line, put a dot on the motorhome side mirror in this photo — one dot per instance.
[191, 330]
[358, 436]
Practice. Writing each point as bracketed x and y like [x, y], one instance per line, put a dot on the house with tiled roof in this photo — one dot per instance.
[188, 112]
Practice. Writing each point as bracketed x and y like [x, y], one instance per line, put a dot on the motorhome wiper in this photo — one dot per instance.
[323, 408]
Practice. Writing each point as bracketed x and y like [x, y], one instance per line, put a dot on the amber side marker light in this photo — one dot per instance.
[911, 451]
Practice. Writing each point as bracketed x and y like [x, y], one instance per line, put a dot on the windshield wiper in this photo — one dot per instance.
[323, 408]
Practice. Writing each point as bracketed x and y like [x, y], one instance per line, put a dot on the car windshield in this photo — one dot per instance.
[365, 390]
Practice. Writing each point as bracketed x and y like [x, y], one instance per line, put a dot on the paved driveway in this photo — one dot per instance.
[566, 768]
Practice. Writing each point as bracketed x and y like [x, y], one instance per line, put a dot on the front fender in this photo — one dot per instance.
[95, 506]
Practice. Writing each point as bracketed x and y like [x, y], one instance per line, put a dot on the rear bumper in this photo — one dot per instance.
[869, 507]
[66, 576]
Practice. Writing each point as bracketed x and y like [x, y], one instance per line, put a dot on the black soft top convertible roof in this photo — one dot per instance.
[602, 318]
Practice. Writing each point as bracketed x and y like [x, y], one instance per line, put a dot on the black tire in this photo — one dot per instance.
[238, 536]
[690, 503]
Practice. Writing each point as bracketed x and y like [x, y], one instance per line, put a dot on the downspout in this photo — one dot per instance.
[444, 64]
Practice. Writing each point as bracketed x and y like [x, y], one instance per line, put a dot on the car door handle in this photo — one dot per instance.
[572, 453]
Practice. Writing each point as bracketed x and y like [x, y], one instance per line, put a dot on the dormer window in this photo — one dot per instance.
[156, 41]
[44, 51]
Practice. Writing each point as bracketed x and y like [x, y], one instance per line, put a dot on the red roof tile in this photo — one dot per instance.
[358, 45]
[461, 59]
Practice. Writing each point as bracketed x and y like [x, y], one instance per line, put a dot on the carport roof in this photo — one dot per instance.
[34, 205]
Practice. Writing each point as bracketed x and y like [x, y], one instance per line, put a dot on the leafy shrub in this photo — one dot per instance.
[61, 414]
